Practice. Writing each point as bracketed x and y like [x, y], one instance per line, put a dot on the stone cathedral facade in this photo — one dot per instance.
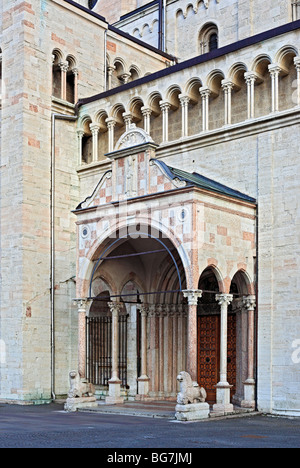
[149, 200]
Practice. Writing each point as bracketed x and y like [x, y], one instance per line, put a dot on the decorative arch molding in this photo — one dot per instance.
[259, 61]
[245, 281]
[212, 266]
[133, 278]
[102, 246]
[108, 283]
[133, 137]
[115, 242]
[208, 38]
[286, 54]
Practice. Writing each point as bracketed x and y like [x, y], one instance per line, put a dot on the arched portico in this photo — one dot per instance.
[226, 339]
[149, 277]
[161, 226]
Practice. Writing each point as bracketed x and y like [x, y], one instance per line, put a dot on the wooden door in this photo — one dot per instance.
[209, 353]
[231, 352]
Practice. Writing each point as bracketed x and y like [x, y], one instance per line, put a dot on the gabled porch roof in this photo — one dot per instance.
[198, 180]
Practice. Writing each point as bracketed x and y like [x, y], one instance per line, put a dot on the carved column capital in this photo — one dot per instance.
[250, 77]
[94, 127]
[115, 307]
[152, 310]
[227, 85]
[297, 62]
[144, 309]
[274, 69]
[184, 99]
[205, 92]
[83, 305]
[125, 77]
[111, 123]
[64, 66]
[80, 133]
[192, 295]
[224, 299]
[249, 302]
[164, 105]
[146, 111]
[127, 117]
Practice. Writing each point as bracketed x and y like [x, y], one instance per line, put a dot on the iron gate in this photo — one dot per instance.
[99, 350]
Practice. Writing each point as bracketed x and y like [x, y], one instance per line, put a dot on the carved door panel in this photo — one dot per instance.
[209, 353]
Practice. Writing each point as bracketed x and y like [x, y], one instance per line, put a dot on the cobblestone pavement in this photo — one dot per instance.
[49, 426]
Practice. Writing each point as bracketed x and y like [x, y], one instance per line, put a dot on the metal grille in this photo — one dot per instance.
[99, 350]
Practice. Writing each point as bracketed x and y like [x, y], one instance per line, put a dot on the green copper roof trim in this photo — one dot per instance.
[198, 180]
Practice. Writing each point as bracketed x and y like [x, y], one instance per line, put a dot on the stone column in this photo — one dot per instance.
[175, 343]
[146, 112]
[297, 65]
[84, 306]
[115, 383]
[223, 404]
[227, 88]
[80, 135]
[143, 380]
[184, 101]
[192, 296]
[250, 78]
[275, 70]
[180, 343]
[111, 123]
[95, 131]
[205, 94]
[110, 71]
[249, 303]
[165, 106]
[153, 356]
[75, 73]
[295, 6]
[64, 66]
[160, 314]
[127, 117]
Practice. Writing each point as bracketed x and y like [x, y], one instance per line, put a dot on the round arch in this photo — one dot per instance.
[242, 284]
[103, 243]
[115, 242]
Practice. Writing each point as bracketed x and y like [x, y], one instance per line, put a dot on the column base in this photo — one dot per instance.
[143, 385]
[223, 405]
[114, 393]
[249, 394]
[221, 410]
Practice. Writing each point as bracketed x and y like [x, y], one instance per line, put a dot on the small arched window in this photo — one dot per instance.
[208, 38]
[64, 77]
[213, 42]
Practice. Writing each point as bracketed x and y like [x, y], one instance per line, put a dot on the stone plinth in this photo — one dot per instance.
[114, 396]
[143, 386]
[73, 404]
[192, 412]
[223, 405]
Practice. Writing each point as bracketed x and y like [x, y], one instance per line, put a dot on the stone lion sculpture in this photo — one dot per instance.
[190, 392]
[79, 387]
